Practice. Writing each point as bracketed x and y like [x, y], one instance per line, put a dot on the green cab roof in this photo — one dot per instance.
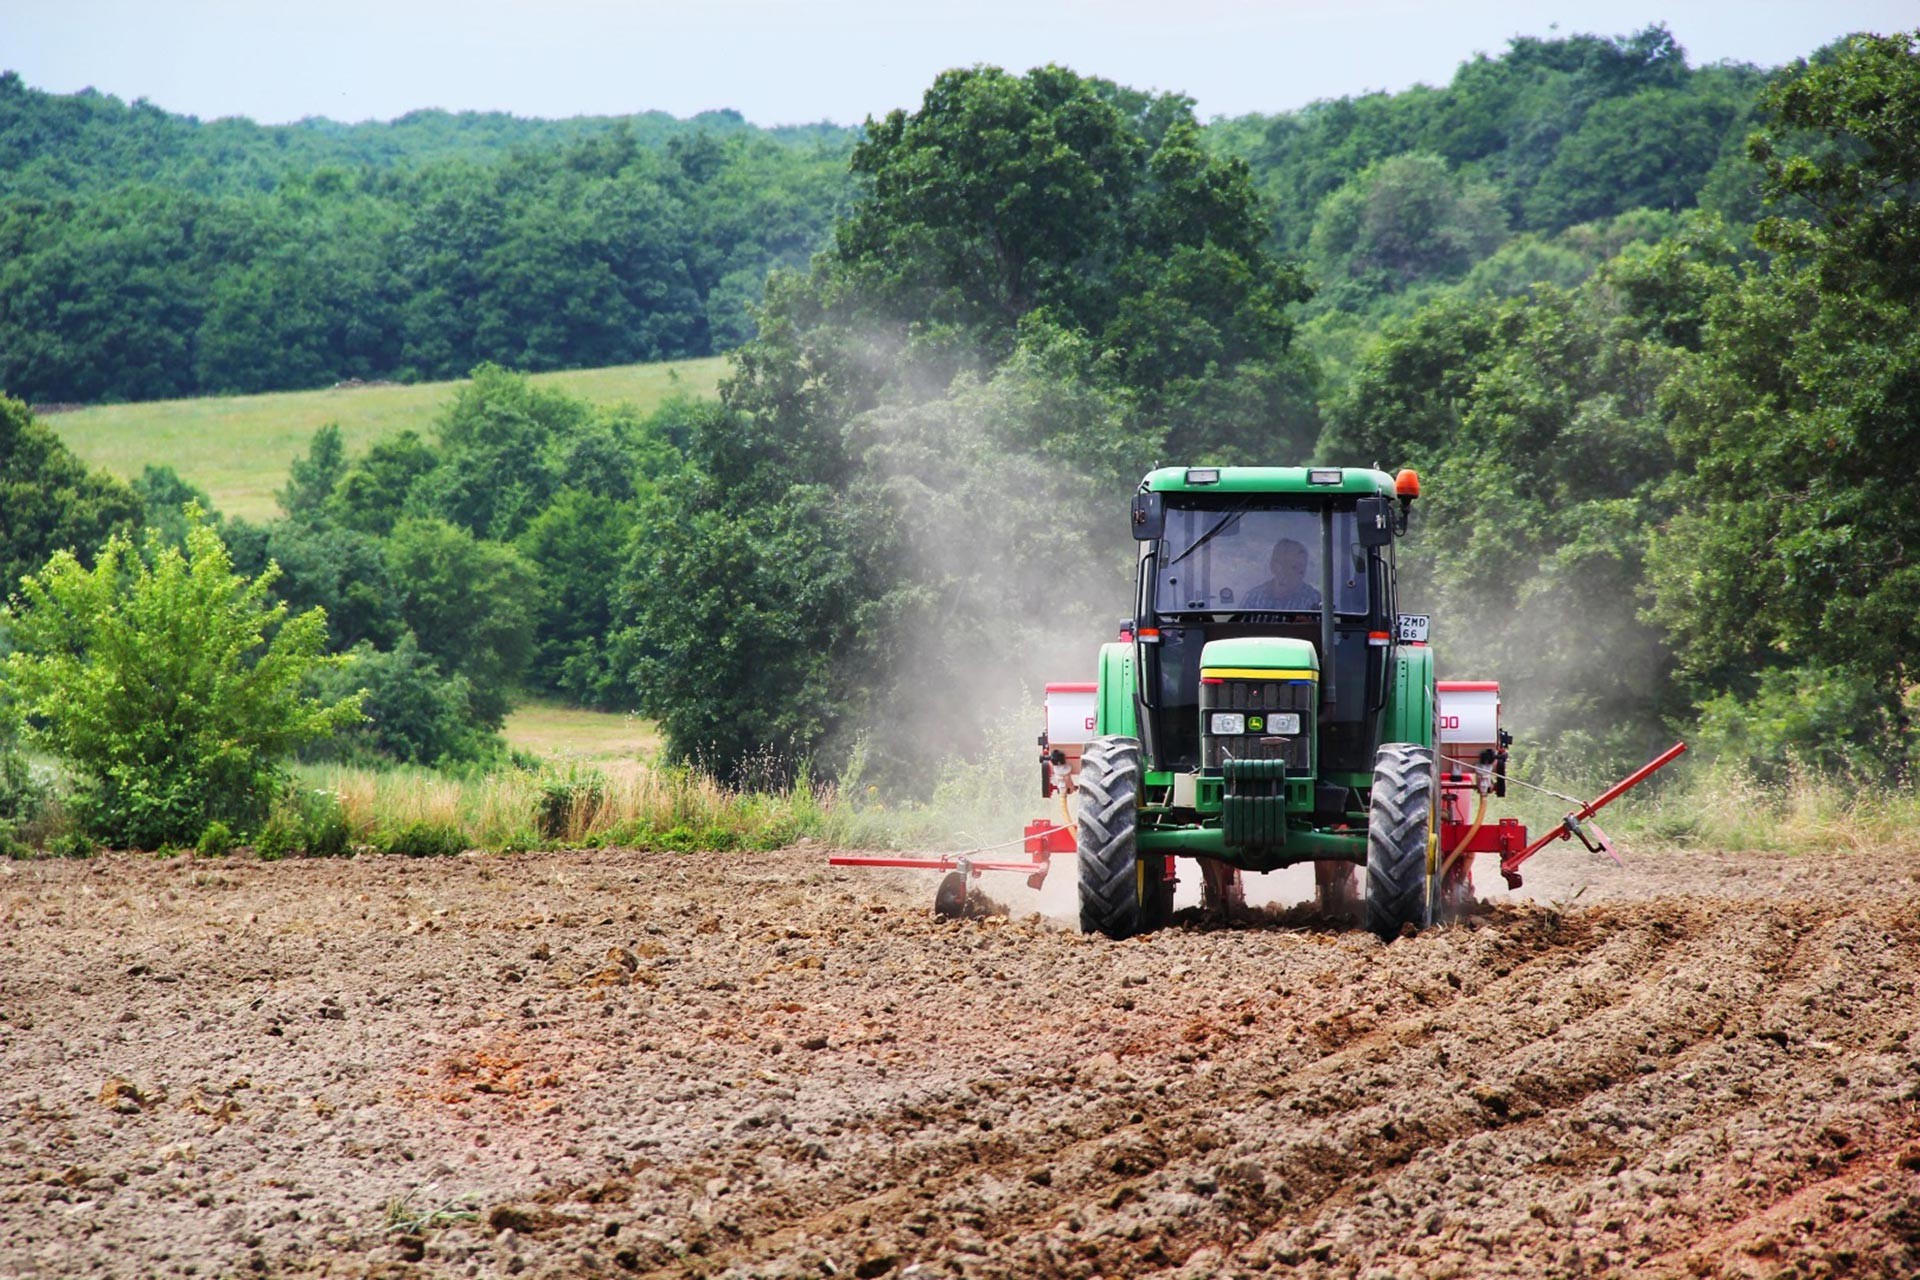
[1290, 480]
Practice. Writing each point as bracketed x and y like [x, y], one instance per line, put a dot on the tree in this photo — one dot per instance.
[1020, 244]
[1792, 551]
[170, 684]
[1841, 138]
[1653, 150]
[49, 500]
[577, 547]
[322, 564]
[754, 633]
[471, 604]
[1404, 220]
[164, 501]
[312, 480]
[415, 712]
[373, 493]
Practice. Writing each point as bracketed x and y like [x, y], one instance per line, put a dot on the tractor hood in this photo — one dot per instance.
[1264, 654]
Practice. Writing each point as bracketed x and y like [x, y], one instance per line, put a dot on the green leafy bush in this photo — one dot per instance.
[216, 841]
[325, 831]
[313, 823]
[171, 685]
[416, 713]
[278, 839]
[423, 840]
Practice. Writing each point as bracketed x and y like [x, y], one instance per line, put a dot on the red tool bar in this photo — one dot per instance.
[1635, 778]
[933, 864]
[1510, 865]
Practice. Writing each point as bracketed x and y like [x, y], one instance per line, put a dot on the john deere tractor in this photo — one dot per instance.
[1271, 707]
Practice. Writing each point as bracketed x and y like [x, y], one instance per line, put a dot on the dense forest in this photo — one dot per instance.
[1646, 328]
[145, 256]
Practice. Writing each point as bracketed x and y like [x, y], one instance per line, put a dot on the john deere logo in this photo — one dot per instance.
[1255, 724]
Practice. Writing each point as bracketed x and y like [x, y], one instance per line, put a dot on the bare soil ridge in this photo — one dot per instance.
[615, 1063]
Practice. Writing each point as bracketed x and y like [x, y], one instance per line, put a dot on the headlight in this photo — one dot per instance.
[1284, 723]
[1227, 722]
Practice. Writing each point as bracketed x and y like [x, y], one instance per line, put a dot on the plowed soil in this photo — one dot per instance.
[611, 1063]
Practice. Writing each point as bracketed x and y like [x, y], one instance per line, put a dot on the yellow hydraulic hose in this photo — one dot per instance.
[1479, 820]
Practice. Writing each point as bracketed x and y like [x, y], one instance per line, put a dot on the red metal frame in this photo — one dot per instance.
[1570, 825]
[1043, 839]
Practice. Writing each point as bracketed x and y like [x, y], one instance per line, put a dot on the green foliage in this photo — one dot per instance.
[49, 501]
[1403, 220]
[216, 841]
[471, 604]
[373, 492]
[568, 801]
[416, 713]
[1653, 150]
[145, 255]
[1841, 139]
[751, 629]
[1813, 718]
[1565, 130]
[577, 549]
[21, 795]
[169, 684]
[312, 480]
[324, 565]
[1785, 579]
[1043, 275]
[306, 823]
[164, 500]
[422, 840]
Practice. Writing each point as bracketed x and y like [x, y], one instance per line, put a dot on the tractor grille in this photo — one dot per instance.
[1258, 697]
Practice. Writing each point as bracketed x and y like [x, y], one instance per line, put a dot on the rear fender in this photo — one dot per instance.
[1115, 711]
[1411, 698]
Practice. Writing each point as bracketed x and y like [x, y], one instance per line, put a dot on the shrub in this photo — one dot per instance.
[415, 712]
[324, 829]
[172, 685]
[216, 841]
[276, 840]
[423, 840]
[21, 797]
[567, 802]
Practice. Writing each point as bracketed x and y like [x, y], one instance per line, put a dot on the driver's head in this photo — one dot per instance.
[1289, 562]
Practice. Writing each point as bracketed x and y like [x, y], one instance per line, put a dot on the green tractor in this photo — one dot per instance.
[1270, 706]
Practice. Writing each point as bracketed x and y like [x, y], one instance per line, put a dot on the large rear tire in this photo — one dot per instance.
[1119, 896]
[1399, 837]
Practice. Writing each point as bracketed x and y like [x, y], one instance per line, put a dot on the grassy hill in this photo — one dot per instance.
[238, 448]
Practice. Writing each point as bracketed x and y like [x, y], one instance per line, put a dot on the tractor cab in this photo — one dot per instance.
[1259, 570]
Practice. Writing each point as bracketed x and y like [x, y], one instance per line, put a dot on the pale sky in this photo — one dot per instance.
[793, 61]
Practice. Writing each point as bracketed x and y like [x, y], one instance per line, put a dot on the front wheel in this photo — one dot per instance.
[1399, 837]
[1119, 896]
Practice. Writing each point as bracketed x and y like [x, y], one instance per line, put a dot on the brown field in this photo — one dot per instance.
[608, 1063]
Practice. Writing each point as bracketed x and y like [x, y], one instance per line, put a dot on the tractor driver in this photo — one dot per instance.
[1287, 590]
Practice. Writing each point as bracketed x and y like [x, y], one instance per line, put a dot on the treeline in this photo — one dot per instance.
[147, 256]
[144, 254]
[1665, 451]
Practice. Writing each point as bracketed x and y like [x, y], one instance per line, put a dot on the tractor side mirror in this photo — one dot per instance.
[1149, 516]
[1376, 521]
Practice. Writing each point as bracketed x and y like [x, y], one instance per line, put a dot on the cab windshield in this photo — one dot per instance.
[1235, 558]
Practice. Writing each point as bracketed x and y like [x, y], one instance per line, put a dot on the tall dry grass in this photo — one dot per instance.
[664, 808]
[1718, 806]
